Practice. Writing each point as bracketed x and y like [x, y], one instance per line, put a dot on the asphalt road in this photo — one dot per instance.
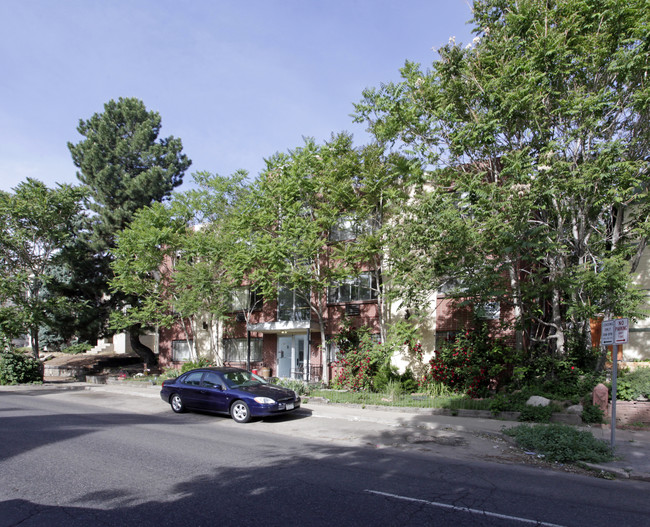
[87, 458]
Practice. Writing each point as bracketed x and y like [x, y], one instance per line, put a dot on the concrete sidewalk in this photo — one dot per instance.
[417, 429]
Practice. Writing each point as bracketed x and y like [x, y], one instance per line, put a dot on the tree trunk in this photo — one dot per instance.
[144, 352]
[557, 323]
[35, 344]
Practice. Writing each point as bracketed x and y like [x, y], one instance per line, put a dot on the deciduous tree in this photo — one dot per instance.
[535, 138]
[38, 223]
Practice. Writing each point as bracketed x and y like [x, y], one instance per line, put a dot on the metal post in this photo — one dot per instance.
[614, 368]
[308, 351]
[248, 356]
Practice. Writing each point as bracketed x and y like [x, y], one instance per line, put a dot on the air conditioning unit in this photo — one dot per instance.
[352, 310]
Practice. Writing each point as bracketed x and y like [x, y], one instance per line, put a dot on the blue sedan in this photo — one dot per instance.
[231, 391]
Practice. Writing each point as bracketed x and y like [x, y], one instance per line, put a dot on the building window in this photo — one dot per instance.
[361, 287]
[236, 350]
[349, 228]
[445, 338]
[293, 306]
[181, 351]
[488, 311]
[243, 299]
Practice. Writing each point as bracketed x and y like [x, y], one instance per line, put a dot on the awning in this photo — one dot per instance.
[284, 327]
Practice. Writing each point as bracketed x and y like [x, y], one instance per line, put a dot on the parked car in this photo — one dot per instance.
[231, 391]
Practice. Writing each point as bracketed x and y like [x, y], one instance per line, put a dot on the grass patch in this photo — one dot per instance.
[449, 402]
[561, 443]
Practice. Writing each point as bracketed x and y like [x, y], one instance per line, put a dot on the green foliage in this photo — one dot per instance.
[542, 174]
[389, 379]
[561, 443]
[386, 374]
[537, 414]
[38, 224]
[500, 403]
[359, 358]
[79, 347]
[201, 362]
[124, 167]
[592, 414]
[301, 388]
[557, 377]
[18, 368]
[124, 164]
[633, 385]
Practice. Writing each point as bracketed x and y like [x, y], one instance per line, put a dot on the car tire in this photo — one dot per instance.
[177, 403]
[240, 412]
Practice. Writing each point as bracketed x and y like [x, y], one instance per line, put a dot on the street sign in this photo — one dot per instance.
[615, 332]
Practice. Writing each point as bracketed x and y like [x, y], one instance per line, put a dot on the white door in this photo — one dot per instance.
[292, 356]
[284, 357]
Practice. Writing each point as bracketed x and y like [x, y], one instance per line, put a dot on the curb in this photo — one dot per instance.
[623, 473]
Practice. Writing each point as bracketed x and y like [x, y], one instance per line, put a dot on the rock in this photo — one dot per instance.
[600, 397]
[536, 400]
[575, 409]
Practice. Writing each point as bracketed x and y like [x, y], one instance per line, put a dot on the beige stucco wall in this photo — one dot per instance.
[638, 347]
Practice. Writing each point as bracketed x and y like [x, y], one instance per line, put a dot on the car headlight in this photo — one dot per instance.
[264, 400]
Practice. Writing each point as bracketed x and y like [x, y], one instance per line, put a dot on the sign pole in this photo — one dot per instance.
[614, 332]
[613, 419]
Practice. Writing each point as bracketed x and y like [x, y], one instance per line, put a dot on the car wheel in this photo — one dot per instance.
[177, 403]
[240, 412]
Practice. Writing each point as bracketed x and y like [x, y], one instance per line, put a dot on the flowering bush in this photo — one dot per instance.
[359, 359]
[469, 365]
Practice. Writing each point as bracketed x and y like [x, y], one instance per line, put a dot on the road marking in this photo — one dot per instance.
[463, 509]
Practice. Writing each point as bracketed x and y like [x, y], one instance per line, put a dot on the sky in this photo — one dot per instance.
[235, 80]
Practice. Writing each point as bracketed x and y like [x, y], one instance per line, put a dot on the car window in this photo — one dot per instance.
[241, 378]
[193, 378]
[212, 380]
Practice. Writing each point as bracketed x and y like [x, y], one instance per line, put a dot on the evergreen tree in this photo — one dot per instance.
[126, 167]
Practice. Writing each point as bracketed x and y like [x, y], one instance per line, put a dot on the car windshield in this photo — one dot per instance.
[237, 379]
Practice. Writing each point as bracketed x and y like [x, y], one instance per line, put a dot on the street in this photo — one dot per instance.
[79, 458]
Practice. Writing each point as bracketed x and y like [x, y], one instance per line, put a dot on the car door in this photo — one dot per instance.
[214, 396]
[190, 388]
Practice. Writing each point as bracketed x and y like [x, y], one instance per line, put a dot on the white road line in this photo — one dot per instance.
[463, 509]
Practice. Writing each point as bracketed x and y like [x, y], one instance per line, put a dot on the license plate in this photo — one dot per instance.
[289, 406]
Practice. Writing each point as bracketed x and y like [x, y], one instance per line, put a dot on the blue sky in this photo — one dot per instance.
[236, 80]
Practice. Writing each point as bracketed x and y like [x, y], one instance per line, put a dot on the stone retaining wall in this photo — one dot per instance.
[629, 412]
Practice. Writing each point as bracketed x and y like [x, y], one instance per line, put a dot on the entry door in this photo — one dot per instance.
[284, 357]
[292, 356]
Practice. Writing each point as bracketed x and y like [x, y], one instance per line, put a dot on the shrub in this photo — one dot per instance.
[359, 357]
[201, 362]
[386, 374]
[79, 347]
[408, 382]
[592, 414]
[537, 414]
[18, 368]
[561, 443]
[471, 364]
[300, 387]
[633, 385]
